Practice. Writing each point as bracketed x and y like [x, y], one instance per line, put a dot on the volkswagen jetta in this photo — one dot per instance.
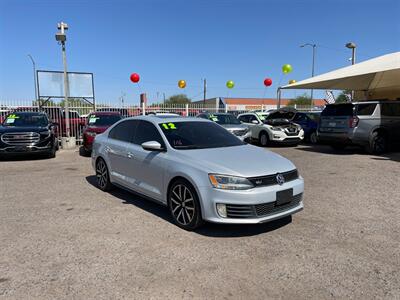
[198, 169]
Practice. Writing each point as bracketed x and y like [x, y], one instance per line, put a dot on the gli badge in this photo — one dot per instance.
[280, 179]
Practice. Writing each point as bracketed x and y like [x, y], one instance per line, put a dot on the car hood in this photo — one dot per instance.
[5, 129]
[245, 161]
[232, 127]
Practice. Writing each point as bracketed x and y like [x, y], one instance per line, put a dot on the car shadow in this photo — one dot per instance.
[208, 229]
[393, 155]
[23, 157]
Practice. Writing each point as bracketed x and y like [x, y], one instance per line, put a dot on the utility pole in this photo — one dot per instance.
[314, 46]
[61, 37]
[204, 91]
[164, 98]
[34, 77]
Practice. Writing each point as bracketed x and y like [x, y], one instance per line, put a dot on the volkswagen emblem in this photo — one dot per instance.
[280, 179]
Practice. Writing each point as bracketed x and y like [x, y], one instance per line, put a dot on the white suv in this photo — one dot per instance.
[267, 130]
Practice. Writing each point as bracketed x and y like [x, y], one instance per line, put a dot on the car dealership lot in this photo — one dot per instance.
[61, 237]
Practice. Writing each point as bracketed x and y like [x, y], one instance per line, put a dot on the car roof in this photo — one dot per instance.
[166, 119]
[29, 112]
[100, 113]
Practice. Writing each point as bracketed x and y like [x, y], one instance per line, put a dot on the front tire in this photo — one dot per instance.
[264, 140]
[184, 205]
[313, 138]
[103, 176]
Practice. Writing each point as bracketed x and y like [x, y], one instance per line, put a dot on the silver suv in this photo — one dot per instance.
[372, 124]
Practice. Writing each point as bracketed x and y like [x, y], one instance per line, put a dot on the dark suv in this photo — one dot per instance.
[372, 124]
[28, 132]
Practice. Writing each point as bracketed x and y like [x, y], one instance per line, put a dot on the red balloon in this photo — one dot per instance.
[135, 77]
[267, 81]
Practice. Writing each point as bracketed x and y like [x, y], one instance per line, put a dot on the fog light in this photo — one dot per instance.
[221, 209]
[276, 136]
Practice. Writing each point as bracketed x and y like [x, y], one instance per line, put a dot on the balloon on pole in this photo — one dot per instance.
[267, 81]
[181, 84]
[230, 84]
[286, 69]
[135, 77]
[292, 81]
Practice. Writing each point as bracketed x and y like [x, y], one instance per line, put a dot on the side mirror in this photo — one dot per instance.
[152, 146]
[254, 122]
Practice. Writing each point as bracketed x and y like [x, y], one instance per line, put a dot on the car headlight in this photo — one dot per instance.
[225, 182]
[276, 128]
[91, 133]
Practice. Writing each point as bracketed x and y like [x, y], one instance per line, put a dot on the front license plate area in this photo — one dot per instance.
[284, 197]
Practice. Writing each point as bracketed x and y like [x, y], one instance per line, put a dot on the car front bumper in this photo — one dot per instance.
[254, 197]
[282, 137]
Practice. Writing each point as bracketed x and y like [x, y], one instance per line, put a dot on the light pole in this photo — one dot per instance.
[34, 76]
[352, 46]
[61, 37]
[314, 47]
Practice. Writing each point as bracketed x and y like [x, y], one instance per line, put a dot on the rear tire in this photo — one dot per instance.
[377, 143]
[103, 176]
[264, 140]
[184, 205]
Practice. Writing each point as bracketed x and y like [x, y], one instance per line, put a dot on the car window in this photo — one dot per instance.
[225, 119]
[366, 109]
[146, 132]
[252, 117]
[103, 120]
[244, 118]
[338, 110]
[300, 118]
[26, 120]
[123, 131]
[198, 135]
[390, 109]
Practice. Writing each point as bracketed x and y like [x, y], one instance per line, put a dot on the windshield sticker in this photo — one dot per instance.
[12, 117]
[93, 119]
[215, 119]
[10, 121]
[169, 126]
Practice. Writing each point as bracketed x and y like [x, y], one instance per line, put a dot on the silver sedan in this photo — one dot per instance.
[199, 170]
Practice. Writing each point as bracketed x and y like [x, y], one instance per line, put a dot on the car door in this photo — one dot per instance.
[118, 139]
[146, 168]
[390, 113]
[247, 120]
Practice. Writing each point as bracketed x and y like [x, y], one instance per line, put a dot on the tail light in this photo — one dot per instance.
[353, 122]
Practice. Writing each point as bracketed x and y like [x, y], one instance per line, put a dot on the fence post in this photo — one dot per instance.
[262, 107]
[226, 108]
[143, 108]
[187, 109]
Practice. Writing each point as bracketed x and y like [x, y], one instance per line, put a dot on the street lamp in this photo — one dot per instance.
[61, 37]
[352, 46]
[314, 46]
[34, 75]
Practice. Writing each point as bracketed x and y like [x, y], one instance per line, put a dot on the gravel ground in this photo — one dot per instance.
[62, 238]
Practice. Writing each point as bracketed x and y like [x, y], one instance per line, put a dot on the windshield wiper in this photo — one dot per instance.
[187, 147]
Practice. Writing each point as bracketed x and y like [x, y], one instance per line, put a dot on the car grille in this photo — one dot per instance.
[291, 131]
[261, 210]
[240, 132]
[271, 179]
[20, 138]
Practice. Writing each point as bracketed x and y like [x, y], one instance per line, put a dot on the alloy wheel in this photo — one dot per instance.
[101, 174]
[182, 204]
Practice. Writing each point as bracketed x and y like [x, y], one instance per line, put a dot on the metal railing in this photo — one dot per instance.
[78, 112]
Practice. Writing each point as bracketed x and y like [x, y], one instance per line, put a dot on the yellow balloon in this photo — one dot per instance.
[292, 81]
[182, 84]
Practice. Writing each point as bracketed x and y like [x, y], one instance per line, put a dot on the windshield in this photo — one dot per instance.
[281, 115]
[224, 119]
[198, 135]
[103, 120]
[26, 120]
[338, 110]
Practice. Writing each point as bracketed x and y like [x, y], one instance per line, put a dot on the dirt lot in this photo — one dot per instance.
[61, 237]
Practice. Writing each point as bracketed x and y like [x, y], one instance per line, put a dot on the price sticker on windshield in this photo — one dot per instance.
[10, 120]
[168, 126]
[92, 119]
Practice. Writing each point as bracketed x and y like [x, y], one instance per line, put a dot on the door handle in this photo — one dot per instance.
[129, 155]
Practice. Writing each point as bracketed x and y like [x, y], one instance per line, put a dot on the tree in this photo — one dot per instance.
[300, 100]
[343, 96]
[178, 99]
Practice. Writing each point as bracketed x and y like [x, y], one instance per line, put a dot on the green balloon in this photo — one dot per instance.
[230, 84]
[287, 68]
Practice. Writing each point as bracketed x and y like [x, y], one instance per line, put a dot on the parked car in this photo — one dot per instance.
[374, 125]
[266, 129]
[124, 112]
[57, 115]
[307, 120]
[28, 132]
[197, 169]
[97, 123]
[229, 122]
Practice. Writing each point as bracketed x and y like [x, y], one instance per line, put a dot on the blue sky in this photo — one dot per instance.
[165, 41]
